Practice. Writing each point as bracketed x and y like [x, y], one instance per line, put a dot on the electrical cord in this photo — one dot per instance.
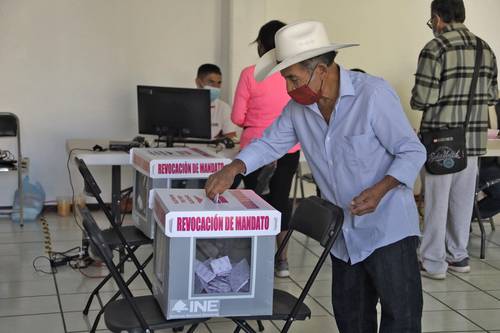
[37, 269]
[81, 270]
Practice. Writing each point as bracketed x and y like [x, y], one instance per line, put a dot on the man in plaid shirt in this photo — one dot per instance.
[442, 84]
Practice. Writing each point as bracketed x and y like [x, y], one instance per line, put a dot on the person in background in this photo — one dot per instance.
[442, 84]
[365, 158]
[209, 76]
[256, 105]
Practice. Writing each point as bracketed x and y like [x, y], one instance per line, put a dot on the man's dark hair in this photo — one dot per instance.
[449, 10]
[266, 34]
[325, 58]
[206, 69]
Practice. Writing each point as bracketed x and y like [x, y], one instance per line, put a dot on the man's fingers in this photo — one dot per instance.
[361, 198]
[216, 184]
[363, 208]
[210, 187]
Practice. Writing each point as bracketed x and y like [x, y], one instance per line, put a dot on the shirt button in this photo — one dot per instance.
[330, 162]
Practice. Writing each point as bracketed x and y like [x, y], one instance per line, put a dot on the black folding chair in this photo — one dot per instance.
[321, 221]
[130, 314]
[129, 238]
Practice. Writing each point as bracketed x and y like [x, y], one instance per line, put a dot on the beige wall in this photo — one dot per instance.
[391, 33]
[69, 69]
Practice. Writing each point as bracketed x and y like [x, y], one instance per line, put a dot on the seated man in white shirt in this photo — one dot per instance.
[209, 76]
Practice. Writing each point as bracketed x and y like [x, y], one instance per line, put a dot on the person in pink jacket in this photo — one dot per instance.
[256, 105]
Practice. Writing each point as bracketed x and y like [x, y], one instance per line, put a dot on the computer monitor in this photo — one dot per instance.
[174, 112]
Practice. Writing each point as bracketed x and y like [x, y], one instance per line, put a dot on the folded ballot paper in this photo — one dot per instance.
[215, 276]
[189, 213]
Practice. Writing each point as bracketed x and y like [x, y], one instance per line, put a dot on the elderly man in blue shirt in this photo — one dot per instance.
[365, 158]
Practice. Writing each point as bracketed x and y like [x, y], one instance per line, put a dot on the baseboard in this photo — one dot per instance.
[53, 208]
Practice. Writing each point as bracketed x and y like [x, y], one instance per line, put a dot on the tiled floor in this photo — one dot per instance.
[33, 301]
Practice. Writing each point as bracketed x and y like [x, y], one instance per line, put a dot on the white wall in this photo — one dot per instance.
[391, 33]
[69, 68]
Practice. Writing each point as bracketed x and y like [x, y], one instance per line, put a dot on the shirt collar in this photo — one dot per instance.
[346, 87]
[454, 26]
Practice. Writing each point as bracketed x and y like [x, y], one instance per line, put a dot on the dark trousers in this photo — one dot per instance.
[391, 274]
[279, 185]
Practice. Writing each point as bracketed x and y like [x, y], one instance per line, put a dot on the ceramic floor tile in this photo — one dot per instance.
[446, 321]
[17, 270]
[487, 319]
[432, 304]
[451, 283]
[320, 288]
[315, 324]
[28, 299]
[494, 263]
[36, 323]
[468, 300]
[28, 306]
[42, 287]
[494, 293]
[302, 274]
[76, 321]
[487, 282]
[491, 253]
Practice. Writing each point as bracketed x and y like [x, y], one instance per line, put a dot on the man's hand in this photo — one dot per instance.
[222, 180]
[367, 201]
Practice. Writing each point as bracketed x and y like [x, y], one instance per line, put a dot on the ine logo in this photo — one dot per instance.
[186, 308]
[180, 306]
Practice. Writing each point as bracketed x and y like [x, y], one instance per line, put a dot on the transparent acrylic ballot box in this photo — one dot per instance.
[213, 259]
[156, 167]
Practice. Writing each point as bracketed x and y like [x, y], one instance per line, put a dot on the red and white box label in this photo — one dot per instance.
[177, 162]
[190, 213]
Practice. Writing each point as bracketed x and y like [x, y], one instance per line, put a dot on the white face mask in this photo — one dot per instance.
[214, 92]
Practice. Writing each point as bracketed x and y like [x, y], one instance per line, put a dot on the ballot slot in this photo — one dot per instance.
[222, 267]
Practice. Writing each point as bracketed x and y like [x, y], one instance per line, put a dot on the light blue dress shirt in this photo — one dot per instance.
[368, 137]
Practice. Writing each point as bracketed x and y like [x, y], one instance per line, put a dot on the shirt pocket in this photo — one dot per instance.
[360, 148]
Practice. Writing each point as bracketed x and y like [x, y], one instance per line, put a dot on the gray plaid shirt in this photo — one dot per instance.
[442, 84]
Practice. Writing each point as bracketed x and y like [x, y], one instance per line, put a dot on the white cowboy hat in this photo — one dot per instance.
[295, 42]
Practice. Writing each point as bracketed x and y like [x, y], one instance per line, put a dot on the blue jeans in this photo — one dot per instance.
[391, 274]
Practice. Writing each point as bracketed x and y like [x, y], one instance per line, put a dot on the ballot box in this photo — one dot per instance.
[213, 259]
[156, 167]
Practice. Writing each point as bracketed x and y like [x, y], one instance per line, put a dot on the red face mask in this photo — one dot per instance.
[305, 95]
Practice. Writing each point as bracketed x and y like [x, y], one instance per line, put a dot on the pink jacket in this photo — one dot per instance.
[257, 104]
